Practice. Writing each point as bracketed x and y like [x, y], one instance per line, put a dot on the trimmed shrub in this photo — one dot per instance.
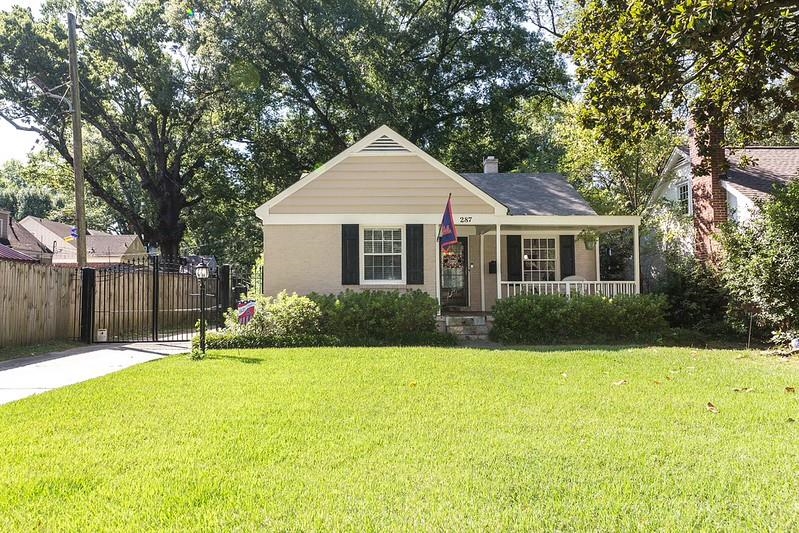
[284, 315]
[372, 318]
[223, 340]
[552, 319]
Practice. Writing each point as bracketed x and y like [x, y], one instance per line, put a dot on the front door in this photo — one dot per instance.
[455, 274]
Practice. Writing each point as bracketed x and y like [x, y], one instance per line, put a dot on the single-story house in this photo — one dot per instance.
[101, 248]
[16, 237]
[730, 190]
[369, 219]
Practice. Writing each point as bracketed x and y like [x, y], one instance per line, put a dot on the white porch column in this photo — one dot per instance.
[499, 265]
[482, 273]
[438, 268]
[598, 270]
[636, 259]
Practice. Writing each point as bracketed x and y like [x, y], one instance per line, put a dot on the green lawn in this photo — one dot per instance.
[15, 352]
[408, 439]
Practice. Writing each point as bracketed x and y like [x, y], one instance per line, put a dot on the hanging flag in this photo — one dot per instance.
[73, 234]
[447, 235]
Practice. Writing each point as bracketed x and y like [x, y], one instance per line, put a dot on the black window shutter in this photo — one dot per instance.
[514, 256]
[414, 258]
[567, 267]
[350, 274]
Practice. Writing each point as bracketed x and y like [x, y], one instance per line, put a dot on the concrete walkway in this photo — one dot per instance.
[20, 378]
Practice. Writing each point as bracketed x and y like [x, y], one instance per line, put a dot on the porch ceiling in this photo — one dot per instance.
[485, 229]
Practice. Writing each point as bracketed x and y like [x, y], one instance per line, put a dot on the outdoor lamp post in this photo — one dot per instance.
[202, 272]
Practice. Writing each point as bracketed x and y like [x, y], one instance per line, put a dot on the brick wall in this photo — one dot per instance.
[708, 167]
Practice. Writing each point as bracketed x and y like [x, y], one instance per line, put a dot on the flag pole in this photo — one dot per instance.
[438, 237]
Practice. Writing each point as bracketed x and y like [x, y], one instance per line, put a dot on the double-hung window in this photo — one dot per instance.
[539, 259]
[683, 197]
[383, 255]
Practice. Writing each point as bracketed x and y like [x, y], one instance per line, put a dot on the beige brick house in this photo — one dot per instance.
[369, 218]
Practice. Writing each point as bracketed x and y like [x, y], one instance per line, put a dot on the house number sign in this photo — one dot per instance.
[464, 220]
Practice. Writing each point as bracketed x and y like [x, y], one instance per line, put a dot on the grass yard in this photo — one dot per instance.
[14, 352]
[408, 439]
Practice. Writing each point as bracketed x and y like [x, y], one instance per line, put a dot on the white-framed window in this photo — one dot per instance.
[539, 259]
[683, 197]
[383, 255]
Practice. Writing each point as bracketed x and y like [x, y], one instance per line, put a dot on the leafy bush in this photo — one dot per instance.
[552, 319]
[281, 316]
[761, 264]
[695, 294]
[224, 340]
[381, 317]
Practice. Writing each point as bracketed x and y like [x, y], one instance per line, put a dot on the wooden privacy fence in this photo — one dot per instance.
[38, 303]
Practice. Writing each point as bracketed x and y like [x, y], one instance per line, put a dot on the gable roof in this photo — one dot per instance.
[108, 245]
[767, 166]
[543, 194]
[61, 229]
[382, 140]
[9, 254]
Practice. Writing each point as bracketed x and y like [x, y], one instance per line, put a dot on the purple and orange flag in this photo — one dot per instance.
[447, 235]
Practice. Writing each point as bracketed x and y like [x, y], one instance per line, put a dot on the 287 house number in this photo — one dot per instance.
[464, 220]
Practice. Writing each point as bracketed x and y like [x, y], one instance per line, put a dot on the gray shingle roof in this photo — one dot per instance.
[768, 166]
[9, 254]
[532, 194]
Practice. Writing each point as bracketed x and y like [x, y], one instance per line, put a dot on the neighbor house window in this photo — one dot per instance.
[683, 195]
[383, 250]
[538, 259]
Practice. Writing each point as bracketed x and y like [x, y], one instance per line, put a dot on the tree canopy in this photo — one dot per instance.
[646, 63]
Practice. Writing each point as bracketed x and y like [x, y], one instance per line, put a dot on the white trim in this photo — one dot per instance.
[676, 159]
[597, 221]
[741, 197]
[482, 273]
[596, 250]
[498, 258]
[438, 267]
[361, 254]
[263, 210]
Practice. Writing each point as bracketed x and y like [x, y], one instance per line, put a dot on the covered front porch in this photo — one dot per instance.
[557, 255]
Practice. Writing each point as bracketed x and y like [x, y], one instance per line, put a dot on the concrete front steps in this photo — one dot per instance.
[466, 327]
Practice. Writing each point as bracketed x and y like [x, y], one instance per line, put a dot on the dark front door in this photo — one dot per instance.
[455, 274]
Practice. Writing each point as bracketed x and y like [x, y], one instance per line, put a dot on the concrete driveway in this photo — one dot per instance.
[27, 376]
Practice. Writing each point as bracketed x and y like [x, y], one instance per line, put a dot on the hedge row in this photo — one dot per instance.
[552, 319]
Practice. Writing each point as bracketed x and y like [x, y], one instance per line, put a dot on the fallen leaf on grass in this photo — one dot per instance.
[790, 390]
[791, 420]
[621, 382]
[743, 389]
[656, 382]
[712, 408]
[669, 378]
[412, 384]
[674, 371]
[564, 375]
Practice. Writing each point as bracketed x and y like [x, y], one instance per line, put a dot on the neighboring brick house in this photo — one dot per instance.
[17, 238]
[725, 185]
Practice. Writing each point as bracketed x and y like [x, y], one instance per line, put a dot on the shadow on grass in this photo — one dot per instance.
[238, 358]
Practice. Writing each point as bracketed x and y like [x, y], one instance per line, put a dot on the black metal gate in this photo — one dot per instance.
[150, 299]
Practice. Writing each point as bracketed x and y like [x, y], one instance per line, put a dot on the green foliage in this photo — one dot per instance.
[553, 319]
[231, 339]
[761, 264]
[645, 61]
[374, 317]
[281, 316]
[695, 295]
[615, 178]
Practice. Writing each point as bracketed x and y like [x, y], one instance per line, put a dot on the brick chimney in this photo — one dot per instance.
[708, 168]
[490, 165]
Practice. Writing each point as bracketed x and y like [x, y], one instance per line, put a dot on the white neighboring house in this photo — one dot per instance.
[750, 177]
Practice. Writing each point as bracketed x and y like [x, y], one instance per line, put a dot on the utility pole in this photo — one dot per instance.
[77, 140]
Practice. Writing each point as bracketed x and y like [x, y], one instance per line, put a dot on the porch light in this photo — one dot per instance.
[202, 272]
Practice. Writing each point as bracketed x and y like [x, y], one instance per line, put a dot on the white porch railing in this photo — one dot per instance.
[567, 288]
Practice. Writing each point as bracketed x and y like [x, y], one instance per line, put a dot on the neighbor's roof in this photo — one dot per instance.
[22, 239]
[767, 166]
[62, 230]
[532, 194]
[108, 245]
[9, 254]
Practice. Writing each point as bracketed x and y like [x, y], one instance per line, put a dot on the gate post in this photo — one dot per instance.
[224, 290]
[156, 290]
[87, 305]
